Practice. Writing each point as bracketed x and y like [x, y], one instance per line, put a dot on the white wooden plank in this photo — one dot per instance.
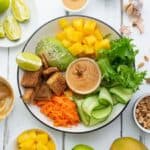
[48, 10]
[103, 138]
[3, 73]
[21, 119]
[142, 42]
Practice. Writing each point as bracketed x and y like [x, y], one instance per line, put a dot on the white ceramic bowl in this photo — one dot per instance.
[50, 29]
[74, 10]
[13, 144]
[12, 100]
[134, 114]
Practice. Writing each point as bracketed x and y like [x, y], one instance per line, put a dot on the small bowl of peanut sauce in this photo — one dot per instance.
[6, 98]
[74, 5]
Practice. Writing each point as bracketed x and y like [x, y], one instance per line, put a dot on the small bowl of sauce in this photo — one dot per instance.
[83, 76]
[74, 5]
[6, 98]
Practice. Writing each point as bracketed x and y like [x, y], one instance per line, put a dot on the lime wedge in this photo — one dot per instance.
[28, 61]
[4, 4]
[20, 10]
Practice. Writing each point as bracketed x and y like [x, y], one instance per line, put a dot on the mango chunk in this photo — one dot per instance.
[76, 49]
[90, 40]
[42, 138]
[89, 26]
[78, 24]
[63, 23]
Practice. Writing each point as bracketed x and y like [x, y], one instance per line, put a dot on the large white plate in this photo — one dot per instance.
[50, 29]
[27, 28]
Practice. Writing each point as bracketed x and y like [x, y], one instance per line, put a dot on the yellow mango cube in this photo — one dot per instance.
[68, 32]
[23, 137]
[90, 40]
[76, 49]
[61, 35]
[78, 24]
[26, 144]
[97, 45]
[41, 146]
[88, 50]
[89, 26]
[104, 44]
[51, 145]
[76, 36]
[63, 23]
[42, 138]
[66, 43]
[98, 34]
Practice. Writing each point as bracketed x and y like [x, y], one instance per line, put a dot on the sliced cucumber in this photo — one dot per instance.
[124, 94]
[105, 97]
[102, 114]
[82, 147]
[83, 116]
[93, 121]
[89, 104]
[115, 99]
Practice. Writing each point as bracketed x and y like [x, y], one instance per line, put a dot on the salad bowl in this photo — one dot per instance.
[50, 29]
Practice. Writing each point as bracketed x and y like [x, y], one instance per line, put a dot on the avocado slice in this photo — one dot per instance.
[82, 147]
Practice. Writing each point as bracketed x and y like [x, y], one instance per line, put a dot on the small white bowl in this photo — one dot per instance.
[74, 10]
[134, 112]
[13, 144]
[12, 100]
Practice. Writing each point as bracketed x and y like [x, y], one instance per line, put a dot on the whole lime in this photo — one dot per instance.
[4, 4]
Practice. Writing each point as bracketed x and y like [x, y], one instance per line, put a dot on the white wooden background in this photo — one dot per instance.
[110, 11]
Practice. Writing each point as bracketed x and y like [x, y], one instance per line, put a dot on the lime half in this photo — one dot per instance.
[28, 61]
[4, 4]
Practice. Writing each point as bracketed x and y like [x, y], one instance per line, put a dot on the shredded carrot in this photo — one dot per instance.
[61, 110]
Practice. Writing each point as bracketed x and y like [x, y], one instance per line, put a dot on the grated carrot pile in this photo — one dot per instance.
[61, 110]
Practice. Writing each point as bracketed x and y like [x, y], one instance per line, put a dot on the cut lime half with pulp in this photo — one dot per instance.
[28, 61]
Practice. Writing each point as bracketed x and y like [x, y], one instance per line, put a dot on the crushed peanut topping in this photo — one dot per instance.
[143, 112]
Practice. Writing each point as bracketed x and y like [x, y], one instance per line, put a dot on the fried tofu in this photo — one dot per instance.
[57, 83]
[28, 95]
[30, 79]
[47, 72]
[44, 92]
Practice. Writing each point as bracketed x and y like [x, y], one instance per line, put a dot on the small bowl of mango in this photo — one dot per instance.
[34, 139]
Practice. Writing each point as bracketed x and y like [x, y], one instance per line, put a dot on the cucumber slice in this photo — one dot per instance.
[105, 97]
[123, 94]
[83, 116]
[115, 99]
[102, 114]
[89, 104]
[93, 121]
[82, 147]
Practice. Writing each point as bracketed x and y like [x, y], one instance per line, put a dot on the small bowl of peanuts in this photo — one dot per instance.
[141, 113]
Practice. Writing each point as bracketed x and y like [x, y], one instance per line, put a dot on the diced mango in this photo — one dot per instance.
[98, 34]
[63, 23]
[41, 146]
[97, 45]
[76, 49]
[61, 35]
[26, 144]
[42, 138]
[23, 137]
[78, 24]
[66, 43]
[89, 26]
[105, 44]
[51, 145]
[90, 40]
[88, 50]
